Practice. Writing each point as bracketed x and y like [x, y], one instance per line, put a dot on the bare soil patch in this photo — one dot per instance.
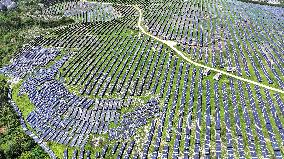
[2, 130]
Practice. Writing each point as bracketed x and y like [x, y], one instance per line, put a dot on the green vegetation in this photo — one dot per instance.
[14, 143]
[17, 27]
[58, 149]
[23, 102]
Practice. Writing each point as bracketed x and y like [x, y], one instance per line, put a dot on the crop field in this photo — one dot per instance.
[154, 79]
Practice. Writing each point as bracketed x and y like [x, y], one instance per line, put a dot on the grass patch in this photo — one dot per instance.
[58, 149]
[23, 102]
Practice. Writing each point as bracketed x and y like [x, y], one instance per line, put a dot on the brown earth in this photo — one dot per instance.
[2, 130]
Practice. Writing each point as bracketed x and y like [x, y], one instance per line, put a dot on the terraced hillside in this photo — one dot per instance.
[155, 79]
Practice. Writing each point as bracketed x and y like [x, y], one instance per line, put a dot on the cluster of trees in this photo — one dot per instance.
[14, 143]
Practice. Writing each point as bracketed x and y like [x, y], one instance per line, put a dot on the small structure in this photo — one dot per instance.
[206, 72]
[7, 5]
[12, 5]
[273, 1]
[217, 76]
[3, 7]
[6, 2]
[231, 69]
[136, 28]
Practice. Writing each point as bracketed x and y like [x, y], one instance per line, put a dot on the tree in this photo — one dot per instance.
[2, 154]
